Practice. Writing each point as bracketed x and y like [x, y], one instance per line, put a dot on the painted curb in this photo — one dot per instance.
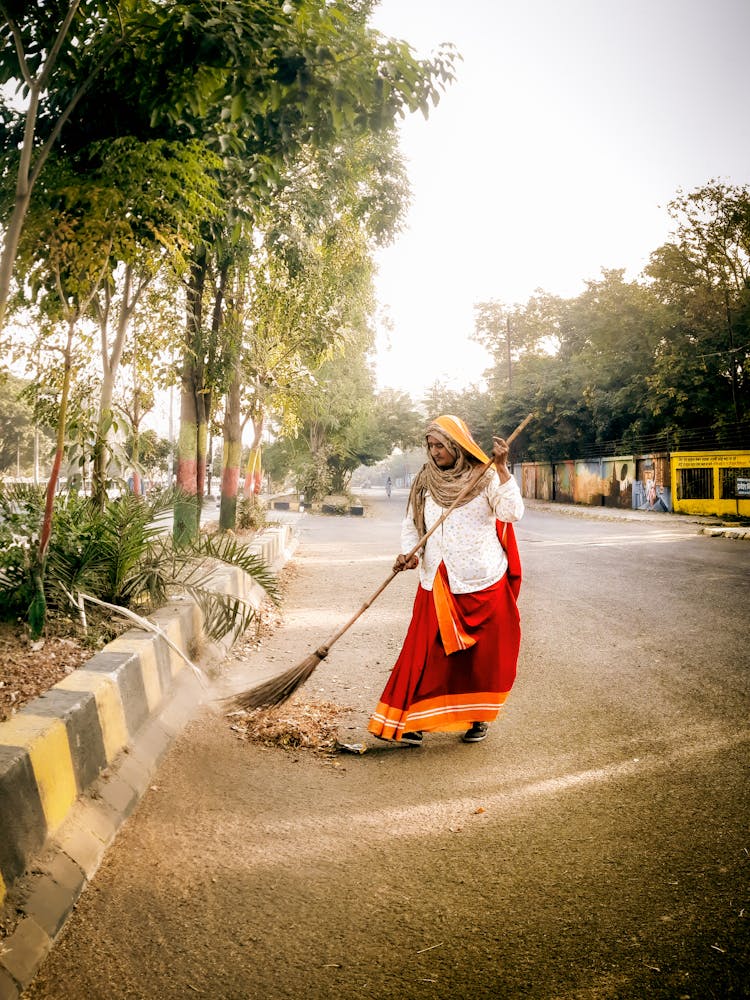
[726, 532]
[75, 762]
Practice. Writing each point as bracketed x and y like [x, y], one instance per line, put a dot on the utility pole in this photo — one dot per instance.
[507, 344]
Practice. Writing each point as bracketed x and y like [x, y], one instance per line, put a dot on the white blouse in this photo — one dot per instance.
[467, 540]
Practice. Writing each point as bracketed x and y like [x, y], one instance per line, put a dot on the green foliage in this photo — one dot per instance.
[154, 453]
[20, 521]
[398, 420]
[251, 513]
[635, 364]
[314, 477]
[701, 277]
[203, 116]
[122, 554]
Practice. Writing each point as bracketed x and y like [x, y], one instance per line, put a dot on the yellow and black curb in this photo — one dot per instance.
[75, 762]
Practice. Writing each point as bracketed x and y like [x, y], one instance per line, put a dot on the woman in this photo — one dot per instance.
[458, 661]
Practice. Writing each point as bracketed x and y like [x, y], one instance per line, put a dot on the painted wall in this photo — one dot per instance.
[688, 482]
[652, 489]
[705, 482]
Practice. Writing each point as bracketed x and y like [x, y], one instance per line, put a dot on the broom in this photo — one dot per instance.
[276, 690]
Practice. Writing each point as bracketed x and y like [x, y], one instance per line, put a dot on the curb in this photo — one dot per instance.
[725, 531]
[704, 525]
[75, 762]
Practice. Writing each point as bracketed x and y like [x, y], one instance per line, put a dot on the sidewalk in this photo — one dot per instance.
[75, 762]
[705, 525]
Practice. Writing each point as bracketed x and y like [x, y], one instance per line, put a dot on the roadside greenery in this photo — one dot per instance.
[241, 158]
[122, 553]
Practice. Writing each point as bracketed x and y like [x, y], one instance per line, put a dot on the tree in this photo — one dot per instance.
[257, 82]
[164, 191]
[66, 281]
[400, 423]
[492, 329]
[53, 50]
[702, 277]
[609, 335]
[314, 97]
[132, 208]
[309, 283]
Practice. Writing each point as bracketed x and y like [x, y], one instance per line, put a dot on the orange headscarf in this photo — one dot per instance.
[444, 485]
[457, 431]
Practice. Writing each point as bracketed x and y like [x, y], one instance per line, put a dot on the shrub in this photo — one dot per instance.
[123, 554]
[251, 514]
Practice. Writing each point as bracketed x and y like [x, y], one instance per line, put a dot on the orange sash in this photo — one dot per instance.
[453, 632]
[450, 622]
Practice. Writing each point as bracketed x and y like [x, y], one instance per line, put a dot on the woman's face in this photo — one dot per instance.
[439, 453]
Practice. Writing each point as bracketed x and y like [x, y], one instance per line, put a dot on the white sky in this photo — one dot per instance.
[570, 127]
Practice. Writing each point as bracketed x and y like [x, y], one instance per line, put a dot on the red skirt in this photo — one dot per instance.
[431, 690]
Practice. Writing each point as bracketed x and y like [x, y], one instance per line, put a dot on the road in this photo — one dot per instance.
[594, 847]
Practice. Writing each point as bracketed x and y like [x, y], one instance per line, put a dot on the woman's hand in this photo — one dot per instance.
[500, 452]
[402, 563]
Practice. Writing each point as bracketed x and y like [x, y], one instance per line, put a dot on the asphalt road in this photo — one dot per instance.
[594, 847]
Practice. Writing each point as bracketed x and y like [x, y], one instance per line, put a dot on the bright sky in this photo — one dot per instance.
[570, 127]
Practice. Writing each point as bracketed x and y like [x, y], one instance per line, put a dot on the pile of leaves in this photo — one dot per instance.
[295, 725]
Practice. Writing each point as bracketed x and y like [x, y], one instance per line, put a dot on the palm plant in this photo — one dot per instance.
[123, 554]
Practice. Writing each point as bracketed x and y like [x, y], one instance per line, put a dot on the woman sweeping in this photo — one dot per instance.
[458, 661]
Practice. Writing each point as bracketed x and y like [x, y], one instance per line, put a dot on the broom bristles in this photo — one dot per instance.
[276, 690]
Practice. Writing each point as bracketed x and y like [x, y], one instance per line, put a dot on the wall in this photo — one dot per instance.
[704, 482]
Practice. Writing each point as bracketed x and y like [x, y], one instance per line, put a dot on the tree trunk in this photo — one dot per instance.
[21, 206]
[110, 365]
[231, 456]
[191, 441]
[254, 474]
[37, 613]
[135, 457]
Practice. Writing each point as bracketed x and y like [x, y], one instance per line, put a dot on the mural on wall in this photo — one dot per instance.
[588, 483]
[565, 481]
[537, 480]
[652, 489]
[715, 483]
[528, 480]
[544, 482]
[618, 475]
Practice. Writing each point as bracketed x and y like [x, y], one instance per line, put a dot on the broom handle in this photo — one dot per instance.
[322, 651]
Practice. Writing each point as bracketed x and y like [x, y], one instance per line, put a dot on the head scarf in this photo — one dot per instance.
[444, 485]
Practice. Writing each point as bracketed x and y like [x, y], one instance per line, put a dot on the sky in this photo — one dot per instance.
[570, 127]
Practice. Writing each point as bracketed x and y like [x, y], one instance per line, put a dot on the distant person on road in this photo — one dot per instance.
[388, 487]
[458, 661]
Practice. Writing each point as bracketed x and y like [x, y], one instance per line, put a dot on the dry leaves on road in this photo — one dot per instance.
[293, 726]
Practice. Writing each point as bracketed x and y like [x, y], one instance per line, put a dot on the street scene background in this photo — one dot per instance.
[594, 846]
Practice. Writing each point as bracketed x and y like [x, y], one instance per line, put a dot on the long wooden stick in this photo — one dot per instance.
[322, 651]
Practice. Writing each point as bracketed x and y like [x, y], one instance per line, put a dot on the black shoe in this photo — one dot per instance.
[414, 738]
[477, 732]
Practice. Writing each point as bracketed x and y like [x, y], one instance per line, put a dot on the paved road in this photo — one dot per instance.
[595, 847]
